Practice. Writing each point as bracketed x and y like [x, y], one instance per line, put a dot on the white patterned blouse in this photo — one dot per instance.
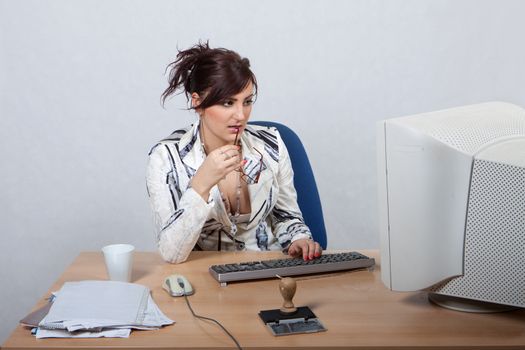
[184, 221]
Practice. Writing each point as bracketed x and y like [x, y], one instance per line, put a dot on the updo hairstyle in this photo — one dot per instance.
[214, 74]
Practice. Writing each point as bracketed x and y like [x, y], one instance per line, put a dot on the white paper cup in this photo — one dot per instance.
[119, 260]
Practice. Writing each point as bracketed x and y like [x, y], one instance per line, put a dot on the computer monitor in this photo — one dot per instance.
[452, 204]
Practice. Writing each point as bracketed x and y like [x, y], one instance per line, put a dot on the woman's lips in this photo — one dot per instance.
[237, 131]
[235, 128]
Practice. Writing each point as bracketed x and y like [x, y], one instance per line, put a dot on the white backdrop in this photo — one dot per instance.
[80, 83]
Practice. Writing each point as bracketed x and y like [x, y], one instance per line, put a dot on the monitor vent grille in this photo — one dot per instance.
[495, 237]
[470, 128]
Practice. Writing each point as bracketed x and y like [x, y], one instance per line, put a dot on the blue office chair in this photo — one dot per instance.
[304, 181]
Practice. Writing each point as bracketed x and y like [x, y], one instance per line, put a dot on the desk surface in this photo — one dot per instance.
[355, 307]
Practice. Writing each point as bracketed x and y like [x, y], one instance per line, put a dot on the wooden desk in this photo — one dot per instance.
[355, 307]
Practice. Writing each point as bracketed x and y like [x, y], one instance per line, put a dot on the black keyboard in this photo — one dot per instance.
[290, 267]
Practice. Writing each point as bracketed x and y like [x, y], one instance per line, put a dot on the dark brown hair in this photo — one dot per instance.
[215, 74]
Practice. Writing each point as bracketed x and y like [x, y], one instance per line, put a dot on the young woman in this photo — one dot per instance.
[221, 184]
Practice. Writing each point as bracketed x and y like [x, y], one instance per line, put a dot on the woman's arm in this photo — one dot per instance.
[179, 211]
[288, 223]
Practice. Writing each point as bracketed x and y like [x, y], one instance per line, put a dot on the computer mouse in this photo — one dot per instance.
[177, 285]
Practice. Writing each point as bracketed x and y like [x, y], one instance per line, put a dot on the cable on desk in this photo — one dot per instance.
[211, 319]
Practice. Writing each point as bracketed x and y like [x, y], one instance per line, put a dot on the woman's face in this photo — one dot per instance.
[220, 123]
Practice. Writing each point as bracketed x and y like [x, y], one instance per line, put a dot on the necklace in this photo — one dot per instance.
[233, 217]
[227, 206]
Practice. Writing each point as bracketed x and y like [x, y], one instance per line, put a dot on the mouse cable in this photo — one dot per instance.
[211, 319]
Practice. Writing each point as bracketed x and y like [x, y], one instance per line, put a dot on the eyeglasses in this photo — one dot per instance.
[245, 177]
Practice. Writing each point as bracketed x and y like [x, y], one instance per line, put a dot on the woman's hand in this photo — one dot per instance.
[307, 247]
[219, 163]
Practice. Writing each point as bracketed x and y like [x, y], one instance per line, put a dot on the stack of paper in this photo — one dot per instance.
[101, 309]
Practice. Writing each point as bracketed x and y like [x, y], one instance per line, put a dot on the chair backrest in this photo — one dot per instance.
[304, 181]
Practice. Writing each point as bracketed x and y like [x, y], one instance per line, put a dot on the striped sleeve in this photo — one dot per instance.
[286, 216]
[179, 212]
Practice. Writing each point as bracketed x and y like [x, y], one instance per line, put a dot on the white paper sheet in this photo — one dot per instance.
[101, 309]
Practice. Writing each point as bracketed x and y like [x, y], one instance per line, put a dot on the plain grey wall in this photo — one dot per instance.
[80, 84]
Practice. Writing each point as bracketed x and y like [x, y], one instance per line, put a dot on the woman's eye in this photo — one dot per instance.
[227, 103]
[248, 102]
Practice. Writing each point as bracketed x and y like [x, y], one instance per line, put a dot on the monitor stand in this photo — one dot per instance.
[468, 305]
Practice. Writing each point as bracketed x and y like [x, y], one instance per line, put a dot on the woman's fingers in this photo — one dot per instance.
[312, 250]
[225, 159]
[308, 248]
[226, 153]
[228, 149]
[216, 166]
[318, 250]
